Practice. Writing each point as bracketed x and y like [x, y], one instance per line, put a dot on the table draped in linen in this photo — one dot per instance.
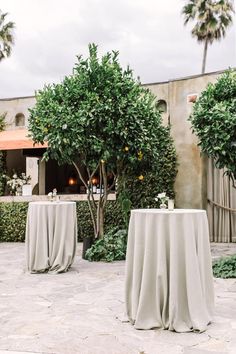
[51, 236]
[169, 281]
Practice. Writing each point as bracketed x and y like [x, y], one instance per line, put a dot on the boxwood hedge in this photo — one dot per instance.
[13, 220]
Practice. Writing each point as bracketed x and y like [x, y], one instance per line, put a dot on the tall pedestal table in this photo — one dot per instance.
[169, 282]
[51, 236]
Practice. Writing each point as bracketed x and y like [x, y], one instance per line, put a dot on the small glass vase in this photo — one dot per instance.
[18, 191]
[163, 206]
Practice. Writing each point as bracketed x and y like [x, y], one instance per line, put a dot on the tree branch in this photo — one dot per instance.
[91, 204]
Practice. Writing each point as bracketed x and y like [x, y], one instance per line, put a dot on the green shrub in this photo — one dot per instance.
[157, 177]
[113, 217]
[13, 220]
[112, 247]
[85, 226]
[225, 267]
[214, 120]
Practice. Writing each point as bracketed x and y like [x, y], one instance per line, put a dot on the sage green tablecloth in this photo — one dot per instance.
[168, 281]
[51, 236]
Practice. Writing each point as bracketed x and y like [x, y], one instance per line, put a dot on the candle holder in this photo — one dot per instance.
[171, 204]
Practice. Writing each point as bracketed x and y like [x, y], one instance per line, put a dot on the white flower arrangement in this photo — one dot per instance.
[162, 197]
[52, 195]
[16, 182]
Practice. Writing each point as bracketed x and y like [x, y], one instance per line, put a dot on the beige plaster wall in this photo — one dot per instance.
[13, 106]
[32, 170]
[190, 185]
[161, 91]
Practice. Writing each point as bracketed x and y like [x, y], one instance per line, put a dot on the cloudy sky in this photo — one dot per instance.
[149, 34]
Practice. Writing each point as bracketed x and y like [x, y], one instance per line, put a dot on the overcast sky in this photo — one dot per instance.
[149, 34]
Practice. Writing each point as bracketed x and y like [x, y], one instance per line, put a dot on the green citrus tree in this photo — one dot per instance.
[101, 120]
[214, 121]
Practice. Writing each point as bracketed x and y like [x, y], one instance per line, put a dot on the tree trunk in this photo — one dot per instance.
[100, 221]
[204, 56]
[97, 209]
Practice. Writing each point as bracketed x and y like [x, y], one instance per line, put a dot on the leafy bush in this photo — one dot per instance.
[113, 217]
[112, 247]
[157, 177]
[2, 121]
[225, 267]
[13, 220]
[214, 121]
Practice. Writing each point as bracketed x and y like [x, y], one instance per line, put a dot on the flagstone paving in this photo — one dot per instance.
[82, 311]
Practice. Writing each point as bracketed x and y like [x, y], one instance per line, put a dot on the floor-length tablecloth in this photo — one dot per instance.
[51, 236]
[169, 282]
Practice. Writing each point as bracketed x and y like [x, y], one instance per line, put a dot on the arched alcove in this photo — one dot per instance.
[161, 105]
[19, 120]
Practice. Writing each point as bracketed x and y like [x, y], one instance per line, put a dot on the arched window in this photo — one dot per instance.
[161, 105]
[20, 120]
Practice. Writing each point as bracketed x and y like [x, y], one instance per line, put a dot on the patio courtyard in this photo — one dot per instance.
[82, 311]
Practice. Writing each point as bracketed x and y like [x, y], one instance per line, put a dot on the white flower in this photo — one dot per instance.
[16, 182]
[64, 126]
[161, 195]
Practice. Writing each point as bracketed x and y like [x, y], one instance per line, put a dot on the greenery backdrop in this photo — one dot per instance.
[214, 121]
[13, 220]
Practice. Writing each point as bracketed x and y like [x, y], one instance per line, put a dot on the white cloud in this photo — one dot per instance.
[149, 35]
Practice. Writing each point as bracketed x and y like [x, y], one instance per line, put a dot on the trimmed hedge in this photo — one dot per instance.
[13, 220]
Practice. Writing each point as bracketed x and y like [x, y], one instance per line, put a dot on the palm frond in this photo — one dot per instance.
[211, 18]
[6, 36]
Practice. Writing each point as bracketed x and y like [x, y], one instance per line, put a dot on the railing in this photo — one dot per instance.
[222, 206]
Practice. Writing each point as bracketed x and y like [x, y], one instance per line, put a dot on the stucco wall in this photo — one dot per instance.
[190, 185]
[13, 106]
[161, 91]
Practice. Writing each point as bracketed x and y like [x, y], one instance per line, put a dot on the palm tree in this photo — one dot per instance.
[211, 17]
[6, 36]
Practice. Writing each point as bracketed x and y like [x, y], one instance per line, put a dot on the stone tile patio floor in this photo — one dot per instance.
[82, 311]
